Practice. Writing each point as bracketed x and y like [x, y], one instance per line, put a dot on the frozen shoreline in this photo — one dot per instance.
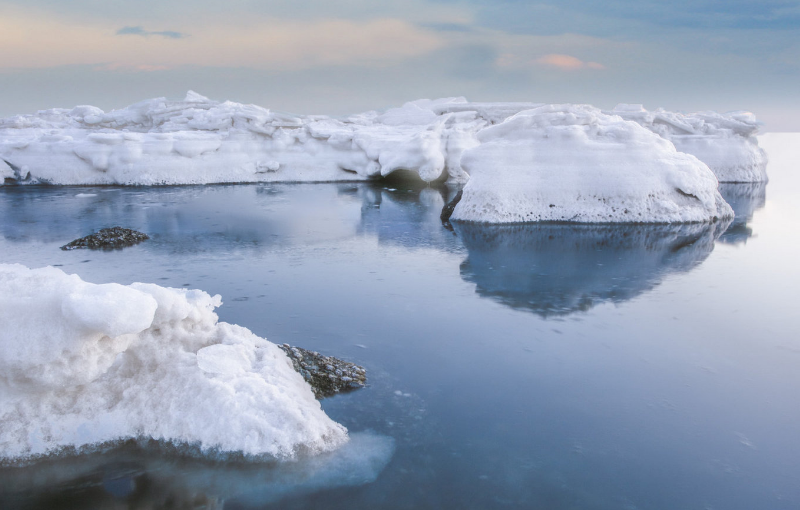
[663, 166]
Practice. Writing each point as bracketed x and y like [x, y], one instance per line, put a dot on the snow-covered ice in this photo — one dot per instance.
[626, 164]
[200, 141]
[726, 143]
[576, 163]
[85, 364]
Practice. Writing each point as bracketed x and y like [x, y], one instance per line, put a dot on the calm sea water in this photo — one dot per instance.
[553, 367]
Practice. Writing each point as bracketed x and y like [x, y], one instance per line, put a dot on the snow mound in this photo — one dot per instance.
[575, 163]
[200, 141]
[726, 143]
[85, 364]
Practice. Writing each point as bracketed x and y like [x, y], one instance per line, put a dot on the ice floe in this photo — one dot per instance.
[200, 141]
[626, 164]
[726, 143]
[575, 163]
[85, 364]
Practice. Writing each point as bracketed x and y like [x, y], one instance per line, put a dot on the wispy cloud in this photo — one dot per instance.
[134, 68]
[170, 34]
[567, 62]
[553, 60]
[448, 27]
[31, 40]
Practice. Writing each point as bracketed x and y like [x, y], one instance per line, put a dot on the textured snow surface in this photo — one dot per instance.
[85, 364]
[524, 161]
[726, 143]
[576, 163]
[199, 141]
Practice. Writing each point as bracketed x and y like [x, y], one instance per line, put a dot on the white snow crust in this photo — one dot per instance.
[575, 163]
[626, 165]
[727, 143]
[200, 141]
[84, 364]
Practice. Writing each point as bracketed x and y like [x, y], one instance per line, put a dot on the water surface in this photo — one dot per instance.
[549, 366]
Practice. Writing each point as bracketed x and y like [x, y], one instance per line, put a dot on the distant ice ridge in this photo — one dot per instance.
[575, 163]
[85, 364]
[200, 141]
[726, 143]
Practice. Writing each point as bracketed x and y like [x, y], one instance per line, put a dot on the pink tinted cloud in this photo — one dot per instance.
[146, 68]
[567, 62]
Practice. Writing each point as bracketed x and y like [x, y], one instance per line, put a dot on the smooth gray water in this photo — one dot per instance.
[550, 366]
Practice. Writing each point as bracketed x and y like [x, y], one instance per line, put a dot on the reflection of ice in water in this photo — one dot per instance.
[557, 269]
[186, 219]
[745, 198]
[146, 479]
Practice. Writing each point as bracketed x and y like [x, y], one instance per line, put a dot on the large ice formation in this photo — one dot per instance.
[85, 364]
[575, 163]
[726, 143]
[200, 141]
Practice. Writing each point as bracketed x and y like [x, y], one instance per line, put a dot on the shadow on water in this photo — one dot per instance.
[558, 269]
[745, 198]
[139, 478]
[406, 215]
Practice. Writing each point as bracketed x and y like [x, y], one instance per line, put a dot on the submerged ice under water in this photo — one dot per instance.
[549, 366]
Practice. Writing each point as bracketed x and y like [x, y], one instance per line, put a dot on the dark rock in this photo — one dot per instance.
[447, 210]
[19, 174]
[326, 375]
[113, 238]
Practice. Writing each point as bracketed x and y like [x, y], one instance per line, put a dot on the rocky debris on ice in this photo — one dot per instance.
[114, 238]
[326, 375]
[726, 143]
[86, 365]
[450, 206]
[575, 163]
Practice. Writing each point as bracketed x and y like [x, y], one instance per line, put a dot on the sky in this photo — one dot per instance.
[346, 56]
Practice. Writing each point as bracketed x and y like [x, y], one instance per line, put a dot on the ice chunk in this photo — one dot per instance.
[200, 141]
[726, 143]
[576, 163]
[87, 364]
[194, 97]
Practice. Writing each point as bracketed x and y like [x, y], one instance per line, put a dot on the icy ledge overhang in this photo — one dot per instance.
[85, 365]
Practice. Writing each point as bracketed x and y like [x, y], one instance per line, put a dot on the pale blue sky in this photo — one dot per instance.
[341, 57]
